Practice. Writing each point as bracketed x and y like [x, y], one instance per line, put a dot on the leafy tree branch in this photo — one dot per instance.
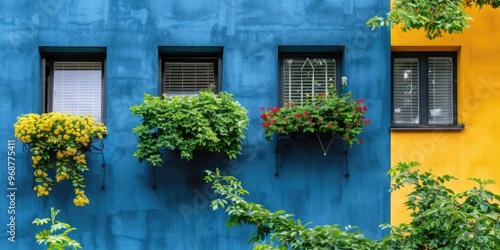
[441, 219]
[278, 227]
[435, 17]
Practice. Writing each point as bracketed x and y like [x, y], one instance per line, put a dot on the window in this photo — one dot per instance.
[303, 74]
[74, 83]
[187, 73]
[424, 89]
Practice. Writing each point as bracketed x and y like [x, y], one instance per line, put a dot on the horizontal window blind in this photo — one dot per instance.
[77, 88]
[440, 90]
[302, 76]
[188, 78]
[406, 91]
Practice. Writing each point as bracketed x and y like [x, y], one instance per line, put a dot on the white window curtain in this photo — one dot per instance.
[440, 90]
[188, 78]
[77, 88]
[302, 76]
[406, 91]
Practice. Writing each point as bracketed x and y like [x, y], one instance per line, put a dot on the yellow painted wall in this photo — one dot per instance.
[475, 151]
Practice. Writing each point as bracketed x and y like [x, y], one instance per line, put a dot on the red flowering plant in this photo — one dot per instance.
[323, 113]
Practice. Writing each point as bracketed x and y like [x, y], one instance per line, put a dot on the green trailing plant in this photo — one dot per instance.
[435, 17]
[279, 227]
[441, 219]
[207, 121]
[324, 113]
[56, 237]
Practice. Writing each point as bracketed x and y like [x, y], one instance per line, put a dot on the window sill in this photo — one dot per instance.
[458, 127]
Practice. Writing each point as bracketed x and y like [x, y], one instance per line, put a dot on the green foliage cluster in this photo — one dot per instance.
[441, 219]
[434, 16]
[481, 3]
[324, 113]
[51, 238]
[208, 121]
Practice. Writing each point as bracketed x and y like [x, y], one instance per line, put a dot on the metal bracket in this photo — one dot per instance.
[280, 139]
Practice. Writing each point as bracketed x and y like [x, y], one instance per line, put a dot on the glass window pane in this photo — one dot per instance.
[77, 88]
[440, 90]
[188, 78]
[302, 76]
[406, 91]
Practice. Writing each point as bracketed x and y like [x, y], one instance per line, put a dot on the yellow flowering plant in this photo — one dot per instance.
[59, 140]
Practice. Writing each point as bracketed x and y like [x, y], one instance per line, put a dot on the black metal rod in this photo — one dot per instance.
[347, 161]
[277, 158]
[154, 177]
[103, 166]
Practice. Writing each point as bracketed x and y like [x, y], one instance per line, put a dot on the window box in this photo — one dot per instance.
[207, 121]
[323, 113]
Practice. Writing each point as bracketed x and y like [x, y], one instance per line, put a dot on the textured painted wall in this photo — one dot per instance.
[129, 213]
[472, 152]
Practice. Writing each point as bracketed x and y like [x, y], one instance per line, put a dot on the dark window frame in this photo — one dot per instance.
[195, 54]
[423, 90]
[49, 56]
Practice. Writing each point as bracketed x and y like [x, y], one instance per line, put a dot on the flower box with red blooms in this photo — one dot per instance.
[324, 113]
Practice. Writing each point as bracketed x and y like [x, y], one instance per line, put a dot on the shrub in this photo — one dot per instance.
[442, 219]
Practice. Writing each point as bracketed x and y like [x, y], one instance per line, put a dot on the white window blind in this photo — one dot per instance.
[440, 90]
[77, 88]
[302, 76]
[406, 91]
[188, 78]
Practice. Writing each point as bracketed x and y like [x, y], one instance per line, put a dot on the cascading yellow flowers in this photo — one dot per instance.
[62, 176]
[42, 190]
[59, 139]
[81, 199]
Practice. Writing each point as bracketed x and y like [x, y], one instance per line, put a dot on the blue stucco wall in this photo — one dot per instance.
[129, 213]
